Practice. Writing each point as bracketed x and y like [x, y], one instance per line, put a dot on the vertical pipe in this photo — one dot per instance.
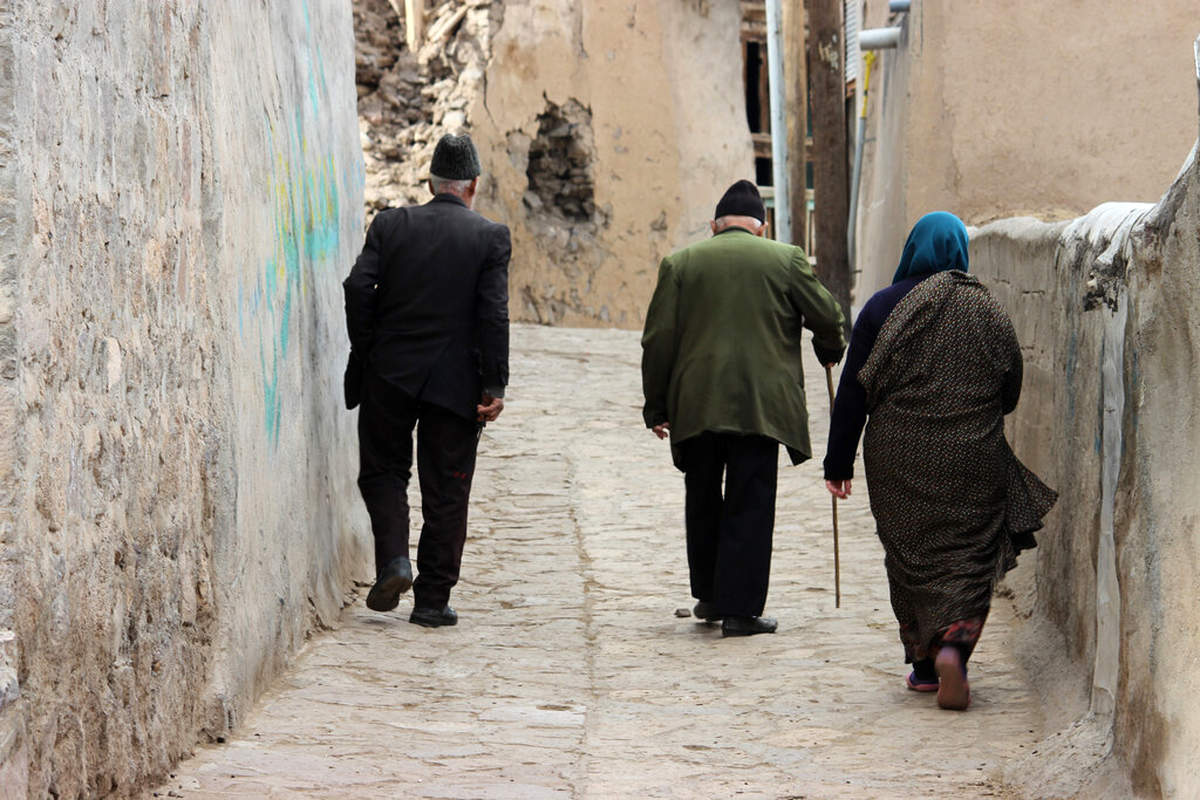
[779, 153]
[856, 176]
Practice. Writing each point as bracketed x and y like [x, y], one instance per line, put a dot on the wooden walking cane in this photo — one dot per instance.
[837, 568]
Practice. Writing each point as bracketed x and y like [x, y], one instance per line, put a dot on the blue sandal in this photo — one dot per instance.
[921, 684]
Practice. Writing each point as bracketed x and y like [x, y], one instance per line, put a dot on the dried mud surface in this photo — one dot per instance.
[569, 676]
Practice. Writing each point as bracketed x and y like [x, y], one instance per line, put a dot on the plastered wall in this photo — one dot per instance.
[992, 110]
[1105, 306]
[180, 194]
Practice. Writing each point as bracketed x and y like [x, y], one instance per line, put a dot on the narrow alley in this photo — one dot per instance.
[570, 674]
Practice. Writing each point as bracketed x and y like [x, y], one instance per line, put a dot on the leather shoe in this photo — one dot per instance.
[433, 617]
[393, 580]
[748, 626]
[707, 611]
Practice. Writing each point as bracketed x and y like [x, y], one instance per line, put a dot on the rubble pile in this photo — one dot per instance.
[407, 99]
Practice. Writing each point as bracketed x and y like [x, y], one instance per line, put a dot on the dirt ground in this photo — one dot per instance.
[569, 674]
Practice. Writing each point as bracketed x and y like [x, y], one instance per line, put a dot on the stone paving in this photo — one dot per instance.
[569, 674]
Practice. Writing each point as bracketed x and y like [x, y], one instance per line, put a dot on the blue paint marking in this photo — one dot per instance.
[306, 216]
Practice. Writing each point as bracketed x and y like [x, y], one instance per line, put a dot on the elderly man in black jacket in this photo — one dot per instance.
[427, 312]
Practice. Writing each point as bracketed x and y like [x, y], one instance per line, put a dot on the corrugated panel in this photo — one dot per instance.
[853, 57]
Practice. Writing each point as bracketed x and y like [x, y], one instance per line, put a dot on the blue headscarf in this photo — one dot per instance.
[937, 242]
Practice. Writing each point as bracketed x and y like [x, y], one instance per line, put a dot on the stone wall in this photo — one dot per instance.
[1105, 307]
[180, 194]
[608, 132]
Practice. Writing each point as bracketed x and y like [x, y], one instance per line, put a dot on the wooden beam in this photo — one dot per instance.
[754, 21]
[831, 179]
[762, 144]
[414, 24]
[795, 58]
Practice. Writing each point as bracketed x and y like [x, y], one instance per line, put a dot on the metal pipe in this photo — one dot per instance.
[852, 223]
[779, 153]
[899, 6]
[879, 39]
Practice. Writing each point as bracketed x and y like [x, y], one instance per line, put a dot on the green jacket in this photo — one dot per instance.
[721, 346]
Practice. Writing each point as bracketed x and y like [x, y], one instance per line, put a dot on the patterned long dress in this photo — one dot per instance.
[953, 505]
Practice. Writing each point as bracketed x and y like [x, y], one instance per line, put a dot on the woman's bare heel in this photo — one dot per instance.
[953, 691]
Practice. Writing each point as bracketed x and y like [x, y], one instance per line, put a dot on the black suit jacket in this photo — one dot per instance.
[427, 303]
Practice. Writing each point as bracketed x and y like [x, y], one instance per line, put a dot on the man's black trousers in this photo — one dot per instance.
[729, 531]
[446, 445]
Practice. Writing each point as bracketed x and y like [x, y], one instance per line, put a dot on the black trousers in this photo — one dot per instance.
[729, 530]
[446, 446]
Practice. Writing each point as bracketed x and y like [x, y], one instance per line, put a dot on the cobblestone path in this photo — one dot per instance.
[569, 676]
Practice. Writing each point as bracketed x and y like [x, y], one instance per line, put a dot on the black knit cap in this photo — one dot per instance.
[741, 200]
[455, 158]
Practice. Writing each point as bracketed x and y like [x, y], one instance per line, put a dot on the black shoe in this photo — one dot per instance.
[706, 611]
[748, 626]
[392, 581]
[433, 617]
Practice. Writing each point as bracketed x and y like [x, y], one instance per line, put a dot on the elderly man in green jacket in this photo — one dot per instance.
[721, 372]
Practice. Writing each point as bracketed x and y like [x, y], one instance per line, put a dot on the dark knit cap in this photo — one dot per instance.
[455, 158]
[742, 200]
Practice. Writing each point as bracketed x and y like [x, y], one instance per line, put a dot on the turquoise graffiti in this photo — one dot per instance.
[306, 191]
[307, 235]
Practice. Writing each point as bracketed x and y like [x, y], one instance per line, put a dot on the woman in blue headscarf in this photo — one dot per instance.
[933, 367]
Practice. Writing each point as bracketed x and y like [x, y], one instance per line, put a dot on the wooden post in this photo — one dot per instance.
[831, 178]
[795, 56]
[414, 24]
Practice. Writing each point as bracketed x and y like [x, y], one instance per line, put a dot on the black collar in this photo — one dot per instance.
[446, 197]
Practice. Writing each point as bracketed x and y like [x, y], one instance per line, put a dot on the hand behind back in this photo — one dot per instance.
[490, 408]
